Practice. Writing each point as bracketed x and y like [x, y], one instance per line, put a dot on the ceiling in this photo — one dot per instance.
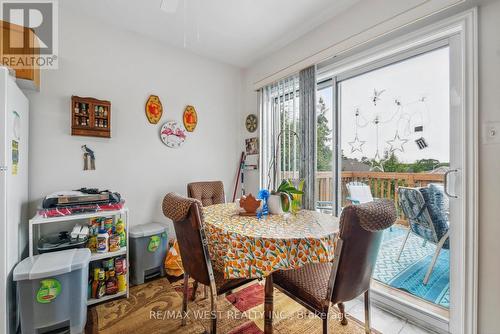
[237, 32]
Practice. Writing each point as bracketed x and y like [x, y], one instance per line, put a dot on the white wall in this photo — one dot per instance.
[98, 61]
[489, 170]
[374, 14]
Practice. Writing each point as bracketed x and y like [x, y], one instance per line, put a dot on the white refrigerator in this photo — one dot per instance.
[14, 107]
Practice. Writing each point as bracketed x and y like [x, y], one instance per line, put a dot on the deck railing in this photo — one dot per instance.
[383, 185]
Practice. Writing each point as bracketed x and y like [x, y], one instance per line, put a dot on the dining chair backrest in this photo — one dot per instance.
[208, 192]
[425, 216]
[359, 192]
[361, 228]
[186, 214]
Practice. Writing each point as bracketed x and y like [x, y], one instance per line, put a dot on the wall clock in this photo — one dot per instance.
[172, 134]
[154, 109]
[251, 123]
[190, 118]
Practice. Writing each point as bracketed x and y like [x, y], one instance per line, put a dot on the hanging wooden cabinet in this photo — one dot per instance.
[28, 76]
[90, 117]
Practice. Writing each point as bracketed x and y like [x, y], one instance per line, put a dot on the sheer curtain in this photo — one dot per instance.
[279, 143]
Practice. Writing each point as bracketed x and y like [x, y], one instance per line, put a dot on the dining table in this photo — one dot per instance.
[247, 246]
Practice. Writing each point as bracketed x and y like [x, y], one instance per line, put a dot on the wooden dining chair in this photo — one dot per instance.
[208, 193]
[186, 214]
[317, 286]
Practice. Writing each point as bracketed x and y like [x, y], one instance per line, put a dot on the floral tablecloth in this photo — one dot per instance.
[246, 247]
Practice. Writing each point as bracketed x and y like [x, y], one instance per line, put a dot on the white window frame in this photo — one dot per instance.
[460, 29]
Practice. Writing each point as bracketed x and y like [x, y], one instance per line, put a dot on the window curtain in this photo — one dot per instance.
[279, 132]
[307, 91]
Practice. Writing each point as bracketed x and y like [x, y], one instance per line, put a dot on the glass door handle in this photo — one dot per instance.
[446, 182]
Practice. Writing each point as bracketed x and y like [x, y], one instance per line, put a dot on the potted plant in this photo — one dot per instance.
[287, 197]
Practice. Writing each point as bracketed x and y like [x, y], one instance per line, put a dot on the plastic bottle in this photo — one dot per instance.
[122, 282]
[120, 230]
[101, 286]
[95, 283]
[102, 240]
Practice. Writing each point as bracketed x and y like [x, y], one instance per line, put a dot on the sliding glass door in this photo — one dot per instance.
[395, 142]
[386, 130]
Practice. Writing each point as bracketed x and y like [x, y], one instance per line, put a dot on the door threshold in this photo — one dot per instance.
[416, 310]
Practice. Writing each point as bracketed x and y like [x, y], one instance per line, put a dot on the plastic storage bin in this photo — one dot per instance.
[52, 291]
[148, 248]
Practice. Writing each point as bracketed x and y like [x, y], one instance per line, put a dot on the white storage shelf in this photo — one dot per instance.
[107, 255]
[34, 233]
[93, 301]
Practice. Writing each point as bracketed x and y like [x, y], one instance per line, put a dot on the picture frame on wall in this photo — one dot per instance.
[252, 146]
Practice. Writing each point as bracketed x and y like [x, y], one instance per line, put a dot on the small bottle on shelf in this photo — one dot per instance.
[101, 286]
[102, 240]
[95, 283]
[122, 282]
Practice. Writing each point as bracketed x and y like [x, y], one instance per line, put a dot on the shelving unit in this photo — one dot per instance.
[36, 223]
[93, 301]
[107, 255]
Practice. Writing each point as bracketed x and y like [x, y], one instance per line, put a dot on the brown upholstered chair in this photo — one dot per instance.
[208, 193]
[316, 286]
[187, 216]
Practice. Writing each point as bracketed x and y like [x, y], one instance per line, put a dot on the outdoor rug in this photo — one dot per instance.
[408, 273]
[154, 307]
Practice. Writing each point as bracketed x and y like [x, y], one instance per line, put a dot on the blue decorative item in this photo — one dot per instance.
[263, 195]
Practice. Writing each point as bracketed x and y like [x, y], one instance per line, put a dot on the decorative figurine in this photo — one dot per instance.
[88, 154]
[249, 204]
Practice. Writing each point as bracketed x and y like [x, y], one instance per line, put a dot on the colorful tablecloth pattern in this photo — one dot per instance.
[246, 247]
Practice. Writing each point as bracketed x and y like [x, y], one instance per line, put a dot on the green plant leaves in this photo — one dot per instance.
[287, 187]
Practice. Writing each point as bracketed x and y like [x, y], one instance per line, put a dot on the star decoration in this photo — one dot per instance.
[377, 164]
[397, 143]
[357, 145]
[376, 96]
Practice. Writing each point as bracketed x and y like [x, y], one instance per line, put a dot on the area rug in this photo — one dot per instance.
[408, 273]
[142, 312]
[155, 307]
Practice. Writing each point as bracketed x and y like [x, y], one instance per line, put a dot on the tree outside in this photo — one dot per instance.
[324, 138]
